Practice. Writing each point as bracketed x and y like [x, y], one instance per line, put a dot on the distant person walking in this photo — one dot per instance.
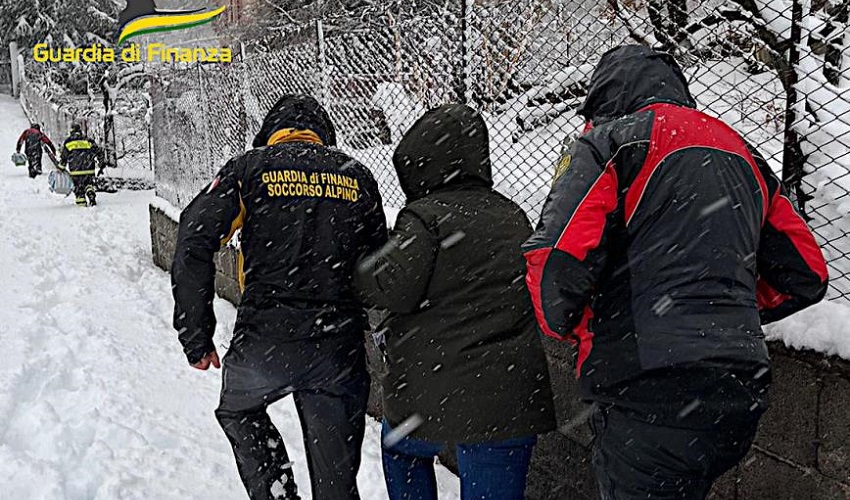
[307, 211]
[80, 155]
[465, 363]
[661, 251]
[33, 140]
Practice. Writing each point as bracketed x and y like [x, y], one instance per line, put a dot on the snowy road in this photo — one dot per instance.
[96, 399]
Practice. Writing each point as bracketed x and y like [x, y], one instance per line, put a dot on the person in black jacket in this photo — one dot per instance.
[33, 140]
[307, 212]
[661, 251]
[80, 154]
[465, 363]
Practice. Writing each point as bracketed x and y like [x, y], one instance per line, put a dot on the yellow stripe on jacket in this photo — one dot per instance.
[237, 223]
[78, 144]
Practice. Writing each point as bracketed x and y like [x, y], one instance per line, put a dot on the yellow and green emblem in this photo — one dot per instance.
[141, 17]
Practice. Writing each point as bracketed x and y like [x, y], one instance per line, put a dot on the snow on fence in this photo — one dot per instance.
[119, 123]
[776, 71]
[55, 118]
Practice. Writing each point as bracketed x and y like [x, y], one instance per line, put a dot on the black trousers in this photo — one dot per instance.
[84, 189]
[328, 380]
[634, 459]
[34, 163]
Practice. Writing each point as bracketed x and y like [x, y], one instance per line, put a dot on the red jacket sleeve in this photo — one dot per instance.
[46, 140]
[566, 254]
[21, 140]
[792, 272]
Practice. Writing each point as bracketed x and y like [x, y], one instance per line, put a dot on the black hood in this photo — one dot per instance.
[447, 147]
[299, 112]
[631, 77]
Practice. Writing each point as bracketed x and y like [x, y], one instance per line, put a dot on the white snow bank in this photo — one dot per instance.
[166, 207]
[564, 80]
[824, 328]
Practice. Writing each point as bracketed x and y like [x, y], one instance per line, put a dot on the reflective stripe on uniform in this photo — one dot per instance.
[75, 173]
[79, 144]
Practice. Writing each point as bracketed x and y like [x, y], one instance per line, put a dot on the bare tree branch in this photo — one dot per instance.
[635, 32]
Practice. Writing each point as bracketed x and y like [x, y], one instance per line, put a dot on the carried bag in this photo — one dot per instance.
[19, 159]
[60, 182]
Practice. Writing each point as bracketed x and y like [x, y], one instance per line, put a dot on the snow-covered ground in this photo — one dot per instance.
[96, 398]
[823, 328]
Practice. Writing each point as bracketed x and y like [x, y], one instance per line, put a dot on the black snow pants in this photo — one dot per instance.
[84, 190]
[34, 162]
[675, 447]
[268, 359]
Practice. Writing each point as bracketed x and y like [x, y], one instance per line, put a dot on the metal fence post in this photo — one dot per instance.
[150, 147]
[323, 63]
[109, 138]
[16, 73]
[463, 86]
[208, 158]
[793, 158]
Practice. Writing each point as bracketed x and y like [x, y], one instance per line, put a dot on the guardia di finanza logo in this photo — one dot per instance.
[142, 17]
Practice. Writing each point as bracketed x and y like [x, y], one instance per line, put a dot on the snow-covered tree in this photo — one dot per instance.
[272, 24]
[65, 23]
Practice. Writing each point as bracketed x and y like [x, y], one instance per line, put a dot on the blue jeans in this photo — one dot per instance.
[494, 470]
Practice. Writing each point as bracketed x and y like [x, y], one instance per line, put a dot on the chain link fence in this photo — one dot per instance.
[127, 128]
[118, 120]
[5, 75]
[56, 118]
[776, 71]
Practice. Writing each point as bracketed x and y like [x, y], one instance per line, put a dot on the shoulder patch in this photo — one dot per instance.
[562, 166]
[566, 159]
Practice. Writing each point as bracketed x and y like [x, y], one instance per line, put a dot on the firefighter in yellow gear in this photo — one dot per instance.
[79, 156]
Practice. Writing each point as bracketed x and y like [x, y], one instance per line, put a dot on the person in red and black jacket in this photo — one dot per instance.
[33, 139]
[661, 251]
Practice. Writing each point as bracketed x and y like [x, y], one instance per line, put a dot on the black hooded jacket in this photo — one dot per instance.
[667, 242]
[306, 212]
[462, 350]
[81, 154]
[630, 78]
[298, 112]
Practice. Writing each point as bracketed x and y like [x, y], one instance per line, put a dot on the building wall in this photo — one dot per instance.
[802, 451]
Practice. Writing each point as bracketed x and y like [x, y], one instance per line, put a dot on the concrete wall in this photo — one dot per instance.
[163, 239]
[802, 451]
